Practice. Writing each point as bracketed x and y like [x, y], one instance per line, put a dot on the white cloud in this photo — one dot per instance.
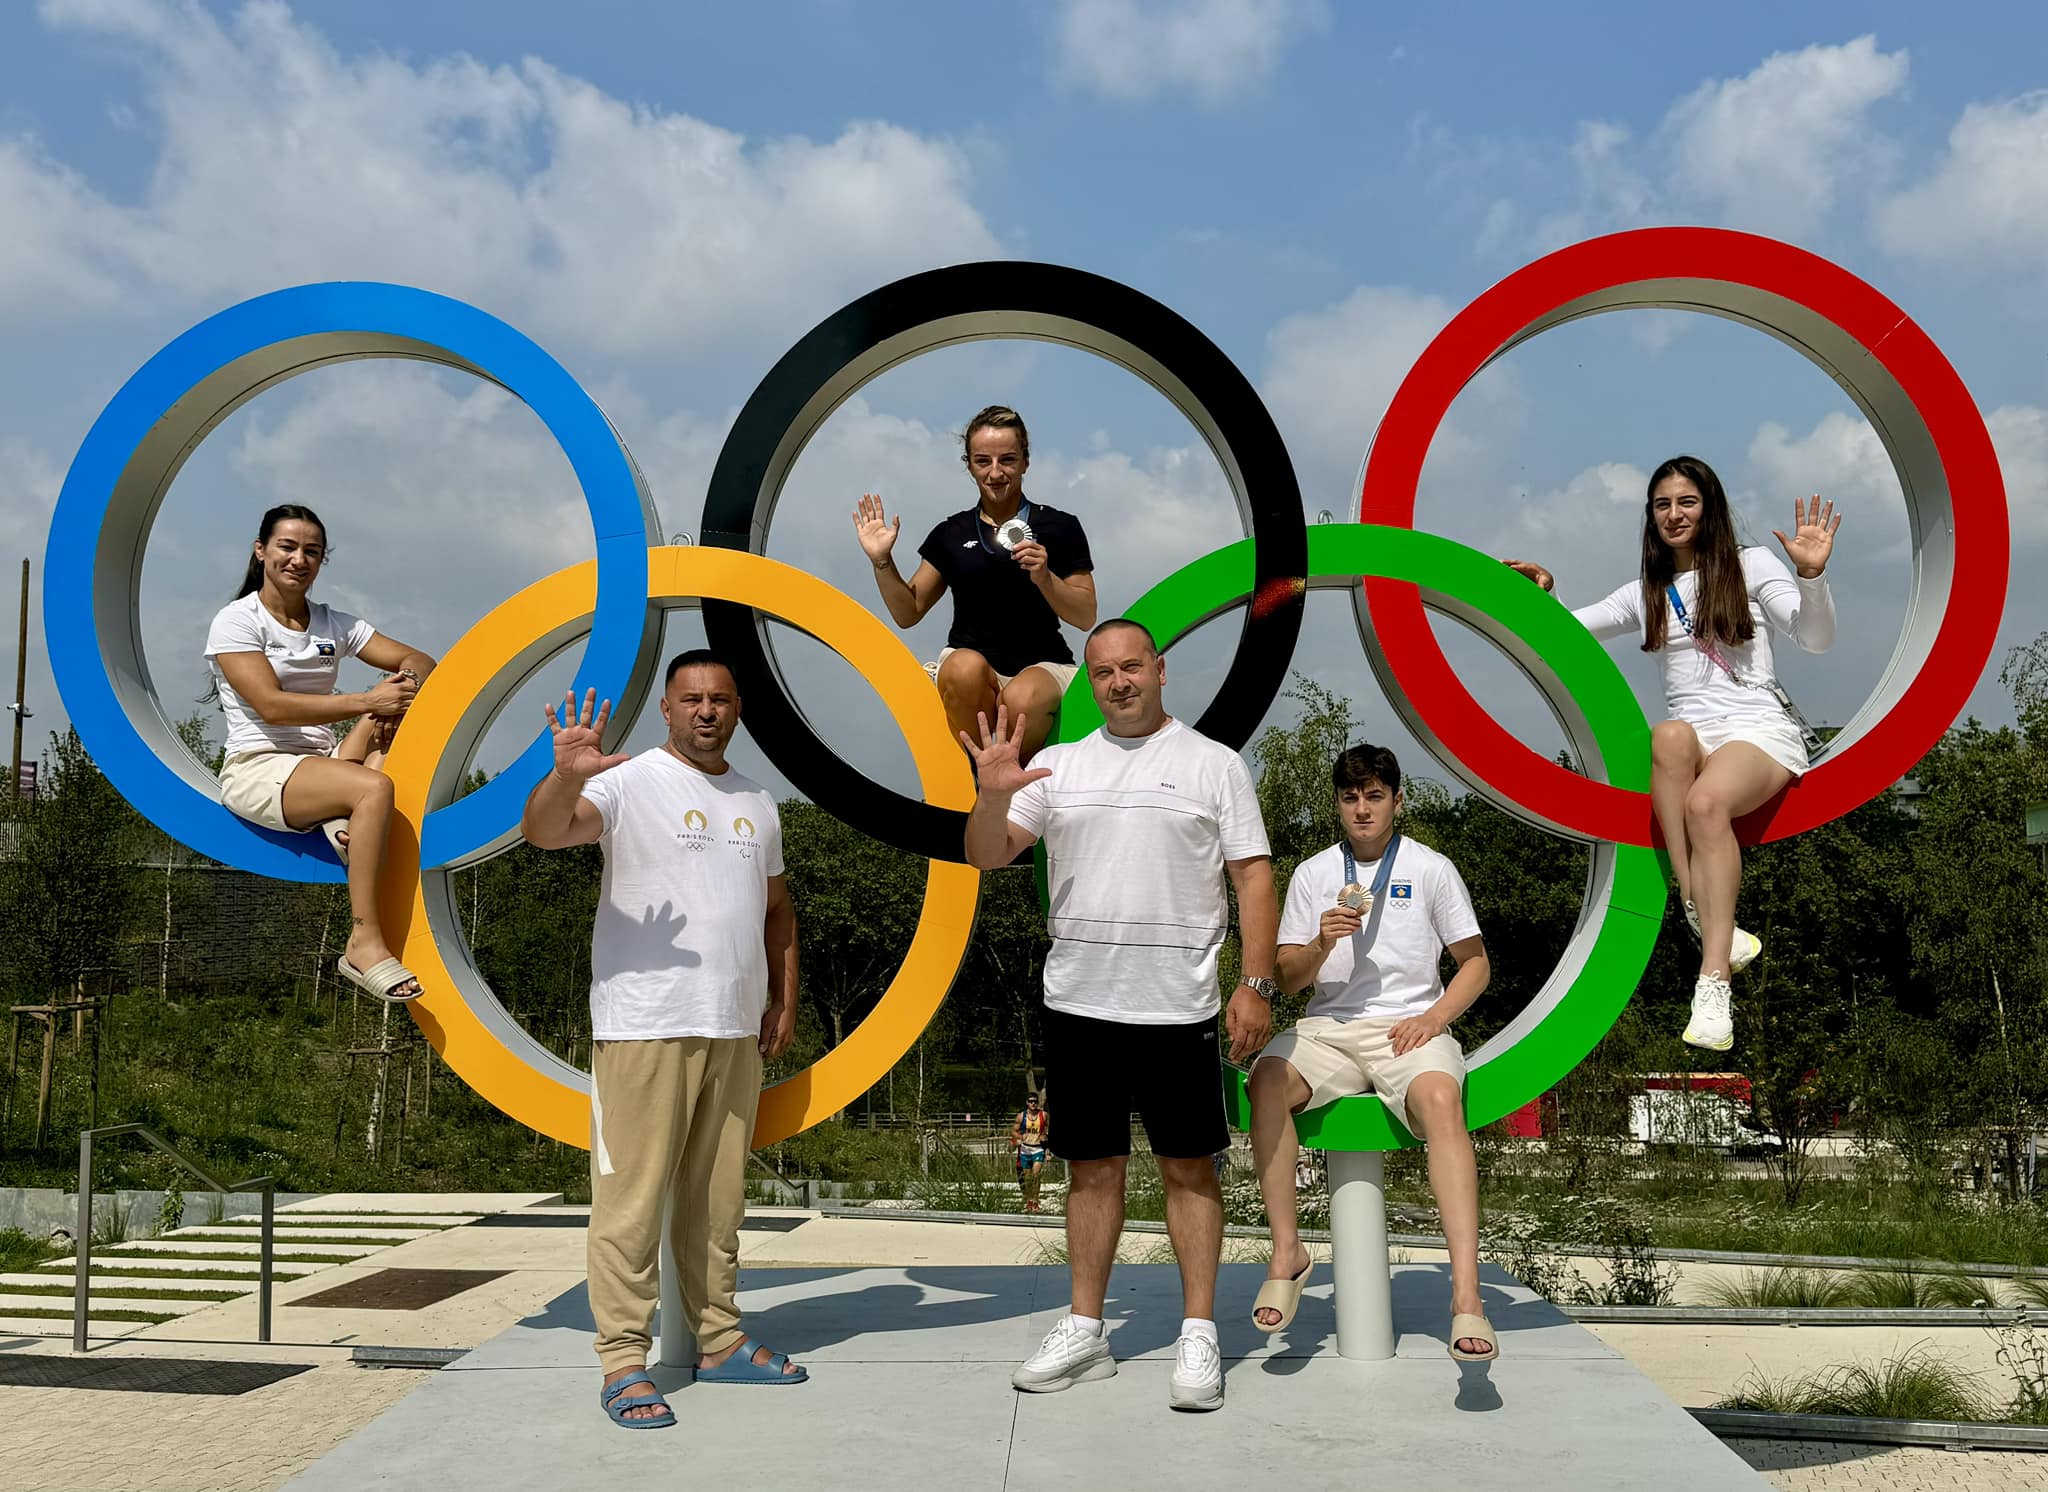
[1987, 199]
[1330, 375]
[280, 160]
[1773, 149]
[1134, 50]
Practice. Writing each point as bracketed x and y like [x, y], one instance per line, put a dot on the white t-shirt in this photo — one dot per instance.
[1136, 831]
[304, 662]
[1695, 687]
[1390, 966]
[678, 948]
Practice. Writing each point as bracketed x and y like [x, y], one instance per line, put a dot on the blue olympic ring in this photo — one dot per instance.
[92, 570]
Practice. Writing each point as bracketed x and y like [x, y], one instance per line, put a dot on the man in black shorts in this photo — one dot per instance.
[1144, 821]
[1017, 570]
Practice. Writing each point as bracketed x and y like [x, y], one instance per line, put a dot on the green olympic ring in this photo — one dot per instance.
[1626, 892]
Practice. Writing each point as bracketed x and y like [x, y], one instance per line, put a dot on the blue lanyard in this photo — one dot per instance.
[1678, 607]
[1379, 880]
[1023, 512]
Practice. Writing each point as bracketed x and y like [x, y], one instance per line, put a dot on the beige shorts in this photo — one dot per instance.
[1776, 737]
[252, 786]
[1341, 1059]
[1062, 673]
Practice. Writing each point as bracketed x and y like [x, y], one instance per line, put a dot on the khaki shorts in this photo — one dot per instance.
[252, 786]
[1341, 1059]
[1062, 673]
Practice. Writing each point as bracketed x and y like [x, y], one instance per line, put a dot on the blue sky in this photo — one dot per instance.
[667, 196]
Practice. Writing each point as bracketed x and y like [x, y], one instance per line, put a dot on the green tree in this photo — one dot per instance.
[67, 894]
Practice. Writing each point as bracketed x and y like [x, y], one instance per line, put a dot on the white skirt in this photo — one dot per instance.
[1774, 735]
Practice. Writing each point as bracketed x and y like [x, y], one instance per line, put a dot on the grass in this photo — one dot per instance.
[1781, 1289]
[128, 1253]
[286, 1220]
[1872, 1289]
[113, 1267]
[37, 1313]
[191, 1237]
[1902, 1289]
[117, 1293]
[21, 1251]
[1918, 1385]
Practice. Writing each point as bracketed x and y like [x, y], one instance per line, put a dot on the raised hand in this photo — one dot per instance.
[998, 767]
[1813, 535]
[579, 738]
[1534, 571]
[877, 537]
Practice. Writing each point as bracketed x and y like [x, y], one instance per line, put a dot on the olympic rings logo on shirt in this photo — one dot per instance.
[1936, 438]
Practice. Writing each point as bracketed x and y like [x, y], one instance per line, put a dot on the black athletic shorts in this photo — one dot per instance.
[1097, 1073]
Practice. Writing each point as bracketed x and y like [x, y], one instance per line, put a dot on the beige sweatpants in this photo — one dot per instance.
[668, 1118]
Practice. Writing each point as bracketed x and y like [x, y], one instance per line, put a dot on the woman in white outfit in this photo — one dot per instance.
[274, 653]
[1733, 742]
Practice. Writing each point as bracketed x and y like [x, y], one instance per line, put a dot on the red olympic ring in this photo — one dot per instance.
[1793, 293]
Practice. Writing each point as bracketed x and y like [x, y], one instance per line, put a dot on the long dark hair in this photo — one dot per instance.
[1721, 608]
[252, 578]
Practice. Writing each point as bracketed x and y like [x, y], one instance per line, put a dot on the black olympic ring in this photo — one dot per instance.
[979, 302]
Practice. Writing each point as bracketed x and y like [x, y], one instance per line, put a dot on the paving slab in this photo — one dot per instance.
[910, 1373]
[423, 1204]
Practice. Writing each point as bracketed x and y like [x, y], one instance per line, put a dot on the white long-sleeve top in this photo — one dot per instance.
[1695, 687]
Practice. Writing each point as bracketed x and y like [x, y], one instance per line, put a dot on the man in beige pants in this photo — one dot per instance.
[692, 984]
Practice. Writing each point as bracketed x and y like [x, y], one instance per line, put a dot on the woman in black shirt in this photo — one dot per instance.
[1017, 570]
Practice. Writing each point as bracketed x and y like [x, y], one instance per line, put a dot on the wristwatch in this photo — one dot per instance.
[1263, 986]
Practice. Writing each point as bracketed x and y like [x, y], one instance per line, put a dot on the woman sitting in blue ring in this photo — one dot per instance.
[1017, 570]
[273, 652]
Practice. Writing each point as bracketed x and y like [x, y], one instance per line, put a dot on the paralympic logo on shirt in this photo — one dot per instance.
[743, 827]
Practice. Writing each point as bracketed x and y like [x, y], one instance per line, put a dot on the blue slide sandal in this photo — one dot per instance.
[613, 1397]
[741, 1368]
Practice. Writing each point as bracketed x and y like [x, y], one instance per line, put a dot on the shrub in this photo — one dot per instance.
[1918, 1385]
[1783, 1289]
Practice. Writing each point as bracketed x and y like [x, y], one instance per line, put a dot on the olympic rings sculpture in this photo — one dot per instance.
[1919, 407]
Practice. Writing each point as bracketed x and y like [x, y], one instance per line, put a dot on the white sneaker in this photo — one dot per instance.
[1070, 1354]
[1746, 947]
[1197, 1380]
[1713, 1024]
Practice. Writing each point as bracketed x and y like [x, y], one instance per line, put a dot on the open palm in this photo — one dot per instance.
[579, 738]
[998, 767]
[1813, 535]
[876, 532]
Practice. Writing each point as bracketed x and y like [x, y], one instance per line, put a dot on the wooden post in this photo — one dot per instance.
[49, 1021]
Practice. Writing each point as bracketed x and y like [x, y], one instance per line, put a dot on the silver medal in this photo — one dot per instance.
[1013, 533]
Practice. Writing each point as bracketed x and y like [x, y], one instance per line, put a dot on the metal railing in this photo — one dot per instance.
[82, 1289]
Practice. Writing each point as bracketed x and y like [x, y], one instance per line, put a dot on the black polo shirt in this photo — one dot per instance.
[997, 611]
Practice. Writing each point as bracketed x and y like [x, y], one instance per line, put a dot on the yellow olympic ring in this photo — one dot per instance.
[554, 608]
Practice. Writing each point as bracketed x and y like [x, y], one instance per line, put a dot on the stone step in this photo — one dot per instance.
[101, 1259]
[162, 1305]
[51, 1326]
[252, 1249]
[169, 1288]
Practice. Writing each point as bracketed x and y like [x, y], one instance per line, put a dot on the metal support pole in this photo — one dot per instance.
[82, 1285]
[265, 1270]
[678, 1343]
[20, 687]
[1358, 1255]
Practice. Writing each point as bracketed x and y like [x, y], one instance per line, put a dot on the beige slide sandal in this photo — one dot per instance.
[380, 979]
[1283, 1296]
[1478, 1329]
